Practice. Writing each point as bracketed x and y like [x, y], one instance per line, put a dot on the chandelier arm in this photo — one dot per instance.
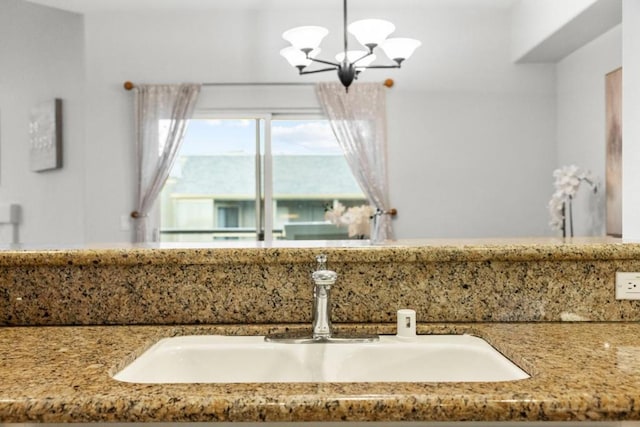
[321, 70]
[322, 61]
[381, 66]
[362, 57]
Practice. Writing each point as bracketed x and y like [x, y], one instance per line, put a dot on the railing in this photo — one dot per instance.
[230, 233]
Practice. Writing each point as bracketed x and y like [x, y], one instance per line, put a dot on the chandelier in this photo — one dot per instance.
[370, 33]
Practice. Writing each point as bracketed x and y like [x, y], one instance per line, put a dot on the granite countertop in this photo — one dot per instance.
[241, 252]
[579, 371]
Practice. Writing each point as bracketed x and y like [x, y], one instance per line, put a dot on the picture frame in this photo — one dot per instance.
[45, 136]
[613, 169]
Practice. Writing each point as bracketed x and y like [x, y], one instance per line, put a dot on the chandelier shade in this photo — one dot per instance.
[308, 37]
[371, 33]
[298, 58]
[399, 49]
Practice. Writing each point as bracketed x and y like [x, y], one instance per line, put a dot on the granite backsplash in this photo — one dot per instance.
[443, 283]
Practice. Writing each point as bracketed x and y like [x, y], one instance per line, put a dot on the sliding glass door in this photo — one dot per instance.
[256, 178]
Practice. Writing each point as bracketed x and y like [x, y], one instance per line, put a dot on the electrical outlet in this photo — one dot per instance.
[627, 285]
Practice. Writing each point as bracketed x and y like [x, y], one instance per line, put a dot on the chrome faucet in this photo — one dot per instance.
[322, 330]
[323, 280]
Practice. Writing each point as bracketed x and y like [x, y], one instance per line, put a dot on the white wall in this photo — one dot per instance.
[534, 21]
[631, 124]
[581, 122]
[471, 165]
[471, 135]
[468, 146]
[41, 53]
[597, 18]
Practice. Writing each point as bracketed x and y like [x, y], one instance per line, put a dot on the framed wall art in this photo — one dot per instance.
[45, 136]
[613, 172]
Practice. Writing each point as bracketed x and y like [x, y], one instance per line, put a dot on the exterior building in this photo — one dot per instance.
[214, 197]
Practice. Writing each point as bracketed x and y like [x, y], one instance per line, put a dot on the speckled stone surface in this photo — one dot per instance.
[501, 281]
[579, 371]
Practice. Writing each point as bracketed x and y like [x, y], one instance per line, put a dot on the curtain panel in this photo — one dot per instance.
[162, 113]
[359, 122]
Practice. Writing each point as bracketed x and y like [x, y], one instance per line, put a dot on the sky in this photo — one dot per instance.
[237, 136]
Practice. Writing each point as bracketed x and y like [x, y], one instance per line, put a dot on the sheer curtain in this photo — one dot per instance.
[359, 121]
[162, 113]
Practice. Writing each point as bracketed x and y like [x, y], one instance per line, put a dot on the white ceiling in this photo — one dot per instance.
[90, 6]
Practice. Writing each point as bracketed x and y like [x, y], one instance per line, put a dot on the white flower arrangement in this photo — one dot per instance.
[356, 218]
[566, 185]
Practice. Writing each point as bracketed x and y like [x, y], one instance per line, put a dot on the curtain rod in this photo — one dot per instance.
[129, 85]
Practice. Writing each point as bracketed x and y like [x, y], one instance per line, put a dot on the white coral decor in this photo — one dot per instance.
[356, 218]
[334, 215]
[566, 184]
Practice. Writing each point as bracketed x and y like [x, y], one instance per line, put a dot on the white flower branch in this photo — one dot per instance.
[566, 184]
[356, 218]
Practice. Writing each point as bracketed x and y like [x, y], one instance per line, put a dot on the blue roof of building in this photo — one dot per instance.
[234, 175]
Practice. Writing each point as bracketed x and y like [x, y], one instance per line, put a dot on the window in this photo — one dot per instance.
[228, 216]
[256, 178]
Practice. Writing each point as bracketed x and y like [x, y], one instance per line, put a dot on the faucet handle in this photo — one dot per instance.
[322, 276]
[322, 261]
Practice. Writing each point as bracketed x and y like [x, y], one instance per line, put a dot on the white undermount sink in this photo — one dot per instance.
[249, 359]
